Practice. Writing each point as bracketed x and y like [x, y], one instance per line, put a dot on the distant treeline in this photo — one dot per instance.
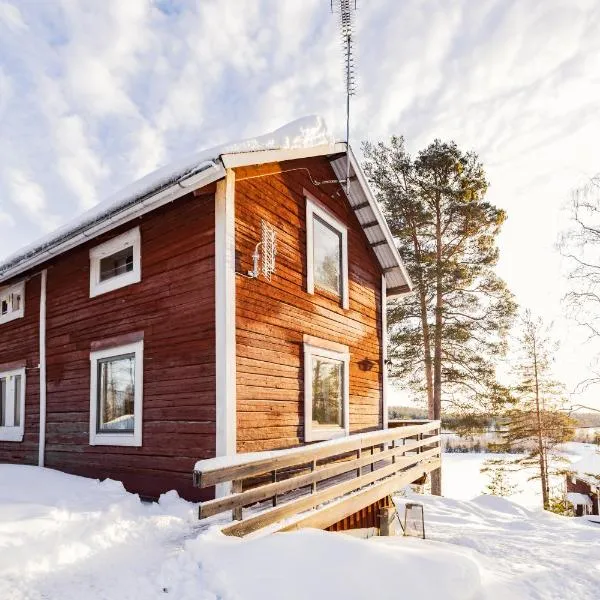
[473, 423]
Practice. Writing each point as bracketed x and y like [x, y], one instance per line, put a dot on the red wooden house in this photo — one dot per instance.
[152, 331]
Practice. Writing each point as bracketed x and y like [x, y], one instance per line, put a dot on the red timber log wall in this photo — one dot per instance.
[173, 306]
[19, 347]
[272, 318]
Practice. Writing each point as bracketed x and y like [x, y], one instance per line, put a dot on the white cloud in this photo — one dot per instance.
[29, 197]
[11, 16]
[104, 92]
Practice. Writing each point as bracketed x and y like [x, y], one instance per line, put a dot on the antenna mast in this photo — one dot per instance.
[345, 10]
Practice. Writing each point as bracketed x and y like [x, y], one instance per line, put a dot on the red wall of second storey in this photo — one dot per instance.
[173, 306]
[19, 346]
[272, 317]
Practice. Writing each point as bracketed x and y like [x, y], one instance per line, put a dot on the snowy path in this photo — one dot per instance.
[70, 538]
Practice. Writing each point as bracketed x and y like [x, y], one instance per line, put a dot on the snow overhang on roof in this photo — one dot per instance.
[303, 138]
[588, 468]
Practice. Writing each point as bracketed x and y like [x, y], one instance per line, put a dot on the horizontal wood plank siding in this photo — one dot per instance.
[19, 343]
[173, 307]
[272, 317]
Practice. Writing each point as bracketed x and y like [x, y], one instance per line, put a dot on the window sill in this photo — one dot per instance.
[321, 434]
[19, 314]
[116, 283]
[115, 439]
[11, 434]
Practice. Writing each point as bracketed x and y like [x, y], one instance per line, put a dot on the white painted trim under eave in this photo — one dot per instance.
[384, 353]
[42, 350]
[383, 224]
[225, 350]
[259, 157]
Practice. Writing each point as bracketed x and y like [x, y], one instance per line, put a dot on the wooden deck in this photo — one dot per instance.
[321, 484]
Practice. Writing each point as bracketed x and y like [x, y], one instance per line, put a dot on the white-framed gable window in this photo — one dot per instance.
[12, 302]
[326, 393]
[116, 263]
[326, 251]
[12, 405]
[116, 393]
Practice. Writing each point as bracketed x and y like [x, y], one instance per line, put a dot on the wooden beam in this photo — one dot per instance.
[337, 511]
[379, 243]
[370, 224]
[306, 454]
[290, 509]
[270, 490]
[401, 289]
[361, 205]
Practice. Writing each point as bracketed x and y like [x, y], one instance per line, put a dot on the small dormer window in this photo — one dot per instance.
[116, 263]
[12, 302]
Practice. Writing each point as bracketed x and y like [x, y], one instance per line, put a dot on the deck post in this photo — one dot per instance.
[236, 488]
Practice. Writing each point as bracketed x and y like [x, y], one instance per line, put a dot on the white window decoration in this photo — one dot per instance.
[12, 302]
[12, 405]
[116, 263]
[326, 393]
[327, 252]
[116, 394]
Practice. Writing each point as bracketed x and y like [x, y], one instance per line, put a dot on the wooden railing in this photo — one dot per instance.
[338, 477]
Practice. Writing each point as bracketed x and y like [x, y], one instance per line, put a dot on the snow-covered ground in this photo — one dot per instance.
[462, 478]
[65, 538]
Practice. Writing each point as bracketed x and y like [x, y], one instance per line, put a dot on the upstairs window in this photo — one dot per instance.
[12, 405]
[116, 396]
[327, 252]
[116, 263]
[326, 394]
[12, 302]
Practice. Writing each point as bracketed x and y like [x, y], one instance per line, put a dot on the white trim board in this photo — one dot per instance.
[259, 157]
[129, 239]
[118, 439]
[313, 434]
[12, 432]
[42, 349]
[225, 348]
[315, 208]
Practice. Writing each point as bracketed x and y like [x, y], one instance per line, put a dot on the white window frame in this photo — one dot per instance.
[118, 439]
[129, 238]
[315, 208]
[313, 434]
[12, 433]
[7, 292]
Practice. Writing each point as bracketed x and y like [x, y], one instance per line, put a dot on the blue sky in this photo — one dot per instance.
[95, 94]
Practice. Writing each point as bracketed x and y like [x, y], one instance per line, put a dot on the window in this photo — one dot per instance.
[327, 252]
[12, 302]
[12, 405]
[116, 263]
[116, 396]
[326, 392]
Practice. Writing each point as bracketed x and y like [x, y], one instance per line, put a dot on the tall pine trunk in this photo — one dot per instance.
[540, 439]
[436, 476]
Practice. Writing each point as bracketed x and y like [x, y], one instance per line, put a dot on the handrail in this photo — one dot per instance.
[206, 475]
[306, 477]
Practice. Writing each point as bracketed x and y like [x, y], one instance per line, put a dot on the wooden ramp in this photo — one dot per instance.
[318, 485]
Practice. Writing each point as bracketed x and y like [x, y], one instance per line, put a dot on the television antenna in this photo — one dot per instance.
[345, 10]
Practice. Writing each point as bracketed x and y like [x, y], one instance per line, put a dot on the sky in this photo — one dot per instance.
[93, 95]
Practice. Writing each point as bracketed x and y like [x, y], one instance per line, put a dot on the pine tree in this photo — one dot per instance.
[499, 482]
[445, 337]
[536, 418]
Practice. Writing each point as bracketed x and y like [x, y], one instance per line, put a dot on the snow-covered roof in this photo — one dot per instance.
[578, 499]
[302, 138]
